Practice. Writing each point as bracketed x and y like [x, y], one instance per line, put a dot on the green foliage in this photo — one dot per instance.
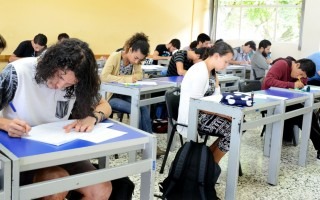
[273, 19]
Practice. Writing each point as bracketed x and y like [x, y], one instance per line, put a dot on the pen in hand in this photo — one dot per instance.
[18, 122]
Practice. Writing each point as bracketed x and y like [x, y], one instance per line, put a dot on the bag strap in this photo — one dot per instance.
[202, 170]
[179, 166]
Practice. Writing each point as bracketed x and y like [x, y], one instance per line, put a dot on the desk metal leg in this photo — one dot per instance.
[192, 123]
[148, 178]
[234, 156]
[5, 177]
[267, 136]
[305, 134]
[276, 145]
[135, 110]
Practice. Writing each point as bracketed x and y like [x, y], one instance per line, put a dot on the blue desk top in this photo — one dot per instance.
[21, 147]
[282, 93]
[175, 79]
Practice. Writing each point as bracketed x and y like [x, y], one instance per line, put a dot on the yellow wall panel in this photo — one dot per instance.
[105, 25]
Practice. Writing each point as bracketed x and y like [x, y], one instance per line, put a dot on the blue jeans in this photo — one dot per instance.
[122, 103]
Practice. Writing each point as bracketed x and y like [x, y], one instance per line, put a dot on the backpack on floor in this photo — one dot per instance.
[193, 174]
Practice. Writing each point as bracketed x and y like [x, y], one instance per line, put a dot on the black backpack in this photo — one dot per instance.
[193, 174]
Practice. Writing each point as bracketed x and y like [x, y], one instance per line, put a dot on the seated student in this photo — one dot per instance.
[65, 84]
[259, 62]
[125, 67]
[30, 48]
[203, 40]
[241, 54]
[164, 51]
[182, 60]
[63, 36]
[315, 80]
[196, 84]
[191, 46]
[289, 73]
[3, 44]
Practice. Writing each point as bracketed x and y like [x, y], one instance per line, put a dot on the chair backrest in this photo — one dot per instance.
[249, 85]
[172, 98]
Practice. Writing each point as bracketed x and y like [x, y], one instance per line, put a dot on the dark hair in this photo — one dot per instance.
[74, 55]
[63, 36]
[222, 48]
[175, 43]
[202, 37]
[203, 51]
[307, 66]
[193, 44]
[138, 41]
[3, 43]
[251, 44]
[264, 43]
[219, 40]
[40, 39]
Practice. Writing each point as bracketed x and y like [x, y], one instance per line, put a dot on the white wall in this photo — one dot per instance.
[310, 35]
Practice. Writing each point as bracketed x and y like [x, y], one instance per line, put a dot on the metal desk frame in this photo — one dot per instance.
[135, 92]
[68, 154]
[274, 133]
[5, 177]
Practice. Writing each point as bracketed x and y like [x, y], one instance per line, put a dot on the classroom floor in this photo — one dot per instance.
[295, 182]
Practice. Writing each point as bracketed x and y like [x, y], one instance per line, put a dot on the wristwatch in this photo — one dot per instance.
[95, 118]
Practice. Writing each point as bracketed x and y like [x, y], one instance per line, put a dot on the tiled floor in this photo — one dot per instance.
[295, 182]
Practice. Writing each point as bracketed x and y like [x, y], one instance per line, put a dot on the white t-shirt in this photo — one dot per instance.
[194, 85]
[36, 103]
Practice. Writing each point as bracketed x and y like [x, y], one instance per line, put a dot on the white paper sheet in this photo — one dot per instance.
[265, 96]
[142, 83]
[53, 133]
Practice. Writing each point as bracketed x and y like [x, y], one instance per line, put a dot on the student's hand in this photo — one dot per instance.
[244, 62]
[18, 128]
[81, 125]
[298, 84]
[134, 79]
[269, 60]
[168, 57]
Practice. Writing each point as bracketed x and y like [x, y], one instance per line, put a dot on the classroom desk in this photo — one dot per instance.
[238, 126]
[236, 70]
[164, 62]
[149, 69]
[5, 177]
[29, 155]
[293, 97]
[228, 83]
[135, 91]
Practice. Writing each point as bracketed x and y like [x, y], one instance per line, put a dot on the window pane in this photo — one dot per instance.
[258, 23]
[228, 23]
[275, 20]
[288, 25]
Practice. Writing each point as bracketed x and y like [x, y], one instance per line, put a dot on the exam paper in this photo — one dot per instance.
[142, 83]
[53, 133]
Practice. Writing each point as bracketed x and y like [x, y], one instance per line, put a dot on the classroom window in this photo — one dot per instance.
[275, 20]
